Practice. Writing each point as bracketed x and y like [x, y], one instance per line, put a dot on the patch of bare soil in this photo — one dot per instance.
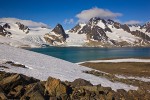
[128, 69]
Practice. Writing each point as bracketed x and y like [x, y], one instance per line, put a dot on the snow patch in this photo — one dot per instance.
[42, 66]
[118, 60]
[136, 78]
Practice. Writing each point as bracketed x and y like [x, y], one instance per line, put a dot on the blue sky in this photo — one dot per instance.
[65, 12]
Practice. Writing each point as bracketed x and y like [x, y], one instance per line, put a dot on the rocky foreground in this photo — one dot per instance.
[18, 86]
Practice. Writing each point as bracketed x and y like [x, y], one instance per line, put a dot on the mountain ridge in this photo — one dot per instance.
[95, 33]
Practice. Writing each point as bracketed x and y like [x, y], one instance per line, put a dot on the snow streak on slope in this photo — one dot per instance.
[121, 35]
[42, 66]
[75, 39]
[118, 60]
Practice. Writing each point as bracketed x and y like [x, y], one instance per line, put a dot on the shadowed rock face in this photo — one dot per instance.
[148, 27]
[141, 35]
[60, 31]
[125, 28]
[3, 32]
[107, 29]
[75, 29]
[60, 36]
[23, 27]
[6, 26]
[148, 30]
[95, 20]
[93, 31]
[111, 22]
[117, 25]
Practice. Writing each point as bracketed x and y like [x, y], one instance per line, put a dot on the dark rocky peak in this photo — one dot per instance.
[111, 22]
[107, 29]
[135, 25]
[59, 30]
[141, 35]
[95, 20]
[117, 25]
[85, 30]
[6, 26]
[147, 27]
[4, 32]
[125, 27]
[96, 33]
[147, 24]
[23, 27]
[75, 29]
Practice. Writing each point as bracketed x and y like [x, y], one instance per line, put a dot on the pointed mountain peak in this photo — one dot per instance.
[6, 26]
[97, 19]
[59, 30]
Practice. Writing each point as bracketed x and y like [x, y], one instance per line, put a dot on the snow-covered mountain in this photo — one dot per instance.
[96, 33]
[19, 35]
[108, 33]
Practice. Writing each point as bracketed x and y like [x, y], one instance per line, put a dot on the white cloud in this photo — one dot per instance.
[131, 22]
[69, 21]
[25, 22]
[85, 15]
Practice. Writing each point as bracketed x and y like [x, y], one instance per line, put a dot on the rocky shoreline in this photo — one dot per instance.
[18, 86]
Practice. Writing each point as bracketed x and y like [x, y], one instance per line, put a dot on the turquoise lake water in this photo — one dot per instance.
[79, 54]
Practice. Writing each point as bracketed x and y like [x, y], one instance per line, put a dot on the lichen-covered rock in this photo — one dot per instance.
[12, 81]
[2, 95]
[80, 82]
[55, 87]
[36, 92]
[17, 92]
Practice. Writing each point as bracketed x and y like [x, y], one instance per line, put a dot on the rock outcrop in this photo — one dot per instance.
[17, 86]
[93, 31]
[57, 36]
[3, 32]
[75, 29]
[23, 27]
[6, 26]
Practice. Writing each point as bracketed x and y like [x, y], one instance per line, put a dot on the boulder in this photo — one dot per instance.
[14, 80]
[2, 95]
[35, 92]
[80, 82]
[17, 92]
[55, 87]
[78, 93]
